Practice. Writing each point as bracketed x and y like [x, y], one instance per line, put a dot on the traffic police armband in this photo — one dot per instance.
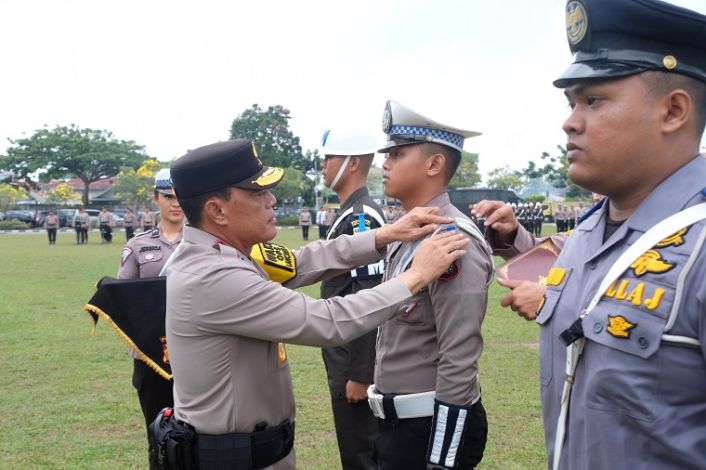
[278, 261]
[448, 430]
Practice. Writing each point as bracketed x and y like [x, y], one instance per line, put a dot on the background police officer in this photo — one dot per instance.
[427, 392]
[144, 256]
[347, 160]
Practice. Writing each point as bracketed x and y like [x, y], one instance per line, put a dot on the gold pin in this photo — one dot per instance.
[669, 62]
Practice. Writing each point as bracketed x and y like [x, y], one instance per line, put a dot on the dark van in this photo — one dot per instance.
[464, 199]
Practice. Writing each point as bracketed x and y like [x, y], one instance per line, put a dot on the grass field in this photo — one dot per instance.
[66, 399]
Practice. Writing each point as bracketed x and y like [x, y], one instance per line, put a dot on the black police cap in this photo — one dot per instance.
[220, 165]
[617, 38]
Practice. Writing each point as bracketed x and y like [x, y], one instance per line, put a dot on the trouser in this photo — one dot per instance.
[356, 431]
[84, 235]
[106, 233]
[129, 233]
[322, 231]
[403, 445]
[305, 232]
[147, 227]
[154, 393]
[51, 232]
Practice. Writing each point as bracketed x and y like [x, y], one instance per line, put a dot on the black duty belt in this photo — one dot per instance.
[254, 450]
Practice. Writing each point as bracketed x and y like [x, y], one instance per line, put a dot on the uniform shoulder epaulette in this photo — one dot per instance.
[470, 228]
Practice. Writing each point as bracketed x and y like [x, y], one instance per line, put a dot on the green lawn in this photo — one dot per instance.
[66, 399]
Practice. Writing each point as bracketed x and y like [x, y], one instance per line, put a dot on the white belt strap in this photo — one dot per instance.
[412, 405]
[649, 239]
[368, 211]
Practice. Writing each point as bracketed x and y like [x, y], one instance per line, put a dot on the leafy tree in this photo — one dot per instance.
[137, 186]
[275, 143]
[557, 172]
[466, 175]
[9, 196]
[63, 194]
[293, 186]
[87, 154]
[505, 178]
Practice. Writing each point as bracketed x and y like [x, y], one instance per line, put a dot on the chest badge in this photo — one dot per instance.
[650, 261]
[675, 239]
[619, 326]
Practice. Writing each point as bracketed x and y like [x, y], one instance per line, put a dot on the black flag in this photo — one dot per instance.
[136, 309]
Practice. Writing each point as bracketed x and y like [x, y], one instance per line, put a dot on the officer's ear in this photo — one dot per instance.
[677, 110]
[435, 164]
[213, 210]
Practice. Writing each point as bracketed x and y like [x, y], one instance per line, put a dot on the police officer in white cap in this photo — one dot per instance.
[144, 256]
[427, 391]
[347, 160]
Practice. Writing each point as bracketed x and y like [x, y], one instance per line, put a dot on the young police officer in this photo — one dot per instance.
[427, 393]
[624, 310]
[227, 321]
[347, 160]
[144, 256]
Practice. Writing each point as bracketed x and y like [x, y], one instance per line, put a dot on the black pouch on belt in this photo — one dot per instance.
[176, 442]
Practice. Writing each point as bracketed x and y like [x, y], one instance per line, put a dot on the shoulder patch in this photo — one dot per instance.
[278, 261]
[127, 251]
[451, 273]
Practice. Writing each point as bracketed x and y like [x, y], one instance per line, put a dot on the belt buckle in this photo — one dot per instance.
[375, 402]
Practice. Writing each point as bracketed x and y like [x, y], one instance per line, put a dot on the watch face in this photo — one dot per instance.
[387, 118]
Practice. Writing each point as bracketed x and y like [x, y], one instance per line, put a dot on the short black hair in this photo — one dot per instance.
[660, 83]
[451, 155]
[193, 206]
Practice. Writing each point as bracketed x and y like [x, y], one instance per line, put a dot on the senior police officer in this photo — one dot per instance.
[427, 392]
[227, 322]
[144, 256]
[623, 336]
[348, 156]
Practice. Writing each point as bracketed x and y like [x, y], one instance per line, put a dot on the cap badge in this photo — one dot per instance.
[669, 62]
[271, 175]
[576, 22]
[254, 152]
[387, 118]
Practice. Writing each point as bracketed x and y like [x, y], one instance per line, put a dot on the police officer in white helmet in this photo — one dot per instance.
[348, 157]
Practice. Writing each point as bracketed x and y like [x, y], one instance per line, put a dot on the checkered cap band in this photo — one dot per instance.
[163, 183]
[437, 135]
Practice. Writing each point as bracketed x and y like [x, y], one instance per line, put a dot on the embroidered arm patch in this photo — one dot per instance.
[277, 260]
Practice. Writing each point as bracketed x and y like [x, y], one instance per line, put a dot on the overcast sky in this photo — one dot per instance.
[173, 75]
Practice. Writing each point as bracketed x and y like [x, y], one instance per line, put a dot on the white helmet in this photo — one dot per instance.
[348, 143]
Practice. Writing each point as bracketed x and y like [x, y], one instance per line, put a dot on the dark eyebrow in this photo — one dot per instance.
[577, 89]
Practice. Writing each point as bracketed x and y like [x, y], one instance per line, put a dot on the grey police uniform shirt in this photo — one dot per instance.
[106, 218]
[637, 402]
[434, 341]
[144, 256]
[129, 220]
[354, 360]
[227, 322]
[51, 221]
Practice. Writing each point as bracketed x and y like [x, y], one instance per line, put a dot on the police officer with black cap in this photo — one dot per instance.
[227, 322]
[623, 322]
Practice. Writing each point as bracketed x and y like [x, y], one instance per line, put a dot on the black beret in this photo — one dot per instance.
[617, 38]
[220, 165]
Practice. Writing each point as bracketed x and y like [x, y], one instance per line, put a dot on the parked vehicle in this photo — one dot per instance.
[21, 215]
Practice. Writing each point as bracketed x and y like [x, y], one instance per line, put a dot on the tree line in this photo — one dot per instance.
[91, 154]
